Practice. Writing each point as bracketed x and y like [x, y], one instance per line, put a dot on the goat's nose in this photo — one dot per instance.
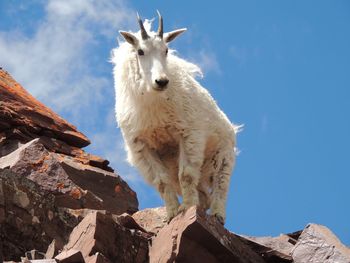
[162, 82]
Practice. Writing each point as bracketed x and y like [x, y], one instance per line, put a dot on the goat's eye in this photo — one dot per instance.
[140, 52]
[166, 51]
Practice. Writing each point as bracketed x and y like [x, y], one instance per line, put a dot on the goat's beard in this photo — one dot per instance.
[144, 86]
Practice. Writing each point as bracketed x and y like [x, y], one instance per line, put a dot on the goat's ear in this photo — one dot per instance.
[170, 36]
[130, 38]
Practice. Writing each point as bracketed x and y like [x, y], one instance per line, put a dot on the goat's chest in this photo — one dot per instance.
[160, 129]
[163, 140]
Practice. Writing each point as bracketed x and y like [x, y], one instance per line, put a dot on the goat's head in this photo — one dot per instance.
[151, 51]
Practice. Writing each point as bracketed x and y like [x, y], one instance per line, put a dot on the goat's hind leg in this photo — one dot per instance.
[221, 182]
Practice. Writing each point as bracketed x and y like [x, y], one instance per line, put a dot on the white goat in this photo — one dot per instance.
[174, 132]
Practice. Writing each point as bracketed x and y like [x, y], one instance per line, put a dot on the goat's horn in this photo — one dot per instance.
[160, 25]
[143, 30]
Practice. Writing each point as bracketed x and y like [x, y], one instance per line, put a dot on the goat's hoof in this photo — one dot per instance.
[171, 215]
[220, 219]
[182, 208]
[169, 218]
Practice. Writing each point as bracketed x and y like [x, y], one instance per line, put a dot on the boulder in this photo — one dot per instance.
[271, 249]
[318, 244]
[9, 144]
[151, 219]
[30, 219]
[194, 237]
[100, 233]
[75, 185]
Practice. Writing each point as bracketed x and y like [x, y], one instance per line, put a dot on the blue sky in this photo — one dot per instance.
[281, 68]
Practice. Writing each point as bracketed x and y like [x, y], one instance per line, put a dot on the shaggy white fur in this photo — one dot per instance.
[177, 137]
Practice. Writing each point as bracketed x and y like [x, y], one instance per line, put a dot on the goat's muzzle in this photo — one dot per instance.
[161, 84]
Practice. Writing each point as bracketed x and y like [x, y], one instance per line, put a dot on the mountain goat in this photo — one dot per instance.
[174, 132]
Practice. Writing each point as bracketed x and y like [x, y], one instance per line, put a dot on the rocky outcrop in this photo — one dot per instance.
[100, 233]
[196, 231]
[59, 203]
[28, 216]
[194, 236]
[47, 182]
[75, 185]
[23, 117]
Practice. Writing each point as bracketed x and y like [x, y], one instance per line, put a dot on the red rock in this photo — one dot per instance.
[18, 109]
[57, 146]
[196, 237]
[74, 184]
[31, 219]
[23, 118]
[47, 175]
[98, 232]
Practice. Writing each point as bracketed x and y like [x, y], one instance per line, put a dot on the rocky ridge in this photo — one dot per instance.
[59, 203]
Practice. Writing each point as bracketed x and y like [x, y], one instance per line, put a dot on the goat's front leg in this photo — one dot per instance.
[190, 163]
[155, 173]
[221, 182]
[170, 198]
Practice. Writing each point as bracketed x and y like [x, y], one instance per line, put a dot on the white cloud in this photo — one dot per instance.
[56, 63]
[207, 61]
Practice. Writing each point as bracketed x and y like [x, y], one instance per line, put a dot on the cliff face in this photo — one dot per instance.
[46, 180]
[61, 204]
